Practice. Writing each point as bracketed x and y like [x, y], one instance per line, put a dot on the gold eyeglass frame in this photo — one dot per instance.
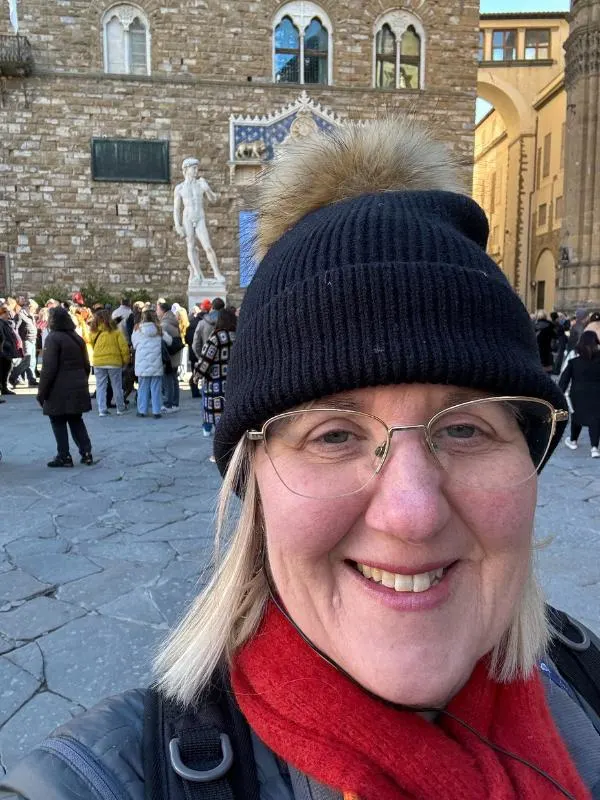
[556, 415]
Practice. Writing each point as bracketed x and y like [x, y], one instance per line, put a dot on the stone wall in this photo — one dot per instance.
[209, 60]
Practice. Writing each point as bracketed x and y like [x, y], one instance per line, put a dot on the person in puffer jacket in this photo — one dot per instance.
[146, 341]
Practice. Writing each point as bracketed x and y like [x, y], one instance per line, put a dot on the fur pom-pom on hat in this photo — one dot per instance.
[387, 155]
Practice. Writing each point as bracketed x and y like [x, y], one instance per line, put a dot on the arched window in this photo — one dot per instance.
[385, 58]
[399, 52]
[410, 59]
[287, 52]
[126, 41]
[302, 44]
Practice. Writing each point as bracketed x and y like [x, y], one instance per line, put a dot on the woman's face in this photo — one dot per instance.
[415, 648]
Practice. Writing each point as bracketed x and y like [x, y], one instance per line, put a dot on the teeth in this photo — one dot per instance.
[402, 583]
[387, 578]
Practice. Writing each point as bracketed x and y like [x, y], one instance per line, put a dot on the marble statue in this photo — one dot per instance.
[190, 222]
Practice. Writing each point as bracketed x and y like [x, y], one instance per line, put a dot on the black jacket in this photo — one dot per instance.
[106, 742]
[545, 334]
[63, 385]
[8, 340]
[584, 377]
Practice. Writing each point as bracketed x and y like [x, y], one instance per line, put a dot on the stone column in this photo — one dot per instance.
[579, 276]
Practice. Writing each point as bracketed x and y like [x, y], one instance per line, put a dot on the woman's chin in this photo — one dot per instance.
[415, 685]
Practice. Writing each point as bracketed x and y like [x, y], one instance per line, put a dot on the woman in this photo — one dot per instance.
[147, 342]
[63, 390]
[376, 612]
[212, 367]
[582, 377]
[110, 355]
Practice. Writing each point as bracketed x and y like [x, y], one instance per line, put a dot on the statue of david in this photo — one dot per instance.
[189, 219]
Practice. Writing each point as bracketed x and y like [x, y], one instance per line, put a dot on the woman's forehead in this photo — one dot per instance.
[398, 396]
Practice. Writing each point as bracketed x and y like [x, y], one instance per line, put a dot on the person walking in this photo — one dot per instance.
[147, 342]
[212, 369]
[27, 329]
[63, 391]
[110, 355]
[170, 325]
[8, 348]
[582, 377]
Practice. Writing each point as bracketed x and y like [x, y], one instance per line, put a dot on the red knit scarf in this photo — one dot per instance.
[319, 721]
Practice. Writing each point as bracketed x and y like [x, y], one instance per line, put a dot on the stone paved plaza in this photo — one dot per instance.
[97, 562]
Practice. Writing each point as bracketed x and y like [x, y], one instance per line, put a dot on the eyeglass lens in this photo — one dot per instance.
[489, 444]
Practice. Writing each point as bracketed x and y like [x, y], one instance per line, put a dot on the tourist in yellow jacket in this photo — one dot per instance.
[111, 354]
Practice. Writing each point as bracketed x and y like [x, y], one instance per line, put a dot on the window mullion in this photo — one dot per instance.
[398, 44]
[301, 70]
[127, 50]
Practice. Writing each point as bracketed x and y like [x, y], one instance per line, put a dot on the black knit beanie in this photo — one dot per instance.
[384, 288]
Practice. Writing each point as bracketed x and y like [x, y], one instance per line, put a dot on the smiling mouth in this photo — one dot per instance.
[419, 582]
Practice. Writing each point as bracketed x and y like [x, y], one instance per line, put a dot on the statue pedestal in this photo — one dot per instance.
[209, 288]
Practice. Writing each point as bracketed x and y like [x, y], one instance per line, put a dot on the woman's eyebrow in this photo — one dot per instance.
[459, 395]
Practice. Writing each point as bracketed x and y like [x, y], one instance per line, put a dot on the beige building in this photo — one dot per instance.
[100, 101]
[520, 149]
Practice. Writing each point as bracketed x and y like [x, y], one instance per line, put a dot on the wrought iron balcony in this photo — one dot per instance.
[16, 59]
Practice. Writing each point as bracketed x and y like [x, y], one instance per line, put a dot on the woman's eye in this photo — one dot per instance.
[461, 431]
[336, 437]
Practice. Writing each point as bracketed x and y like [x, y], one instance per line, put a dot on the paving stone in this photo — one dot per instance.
[16, 687]
[130, 489]
[58, 567]
[121, 549]
[118, 656]
[136, 606]
[31, 724]
[36, 546]
[114, 581]
[180, 583]
[144, 514]
[6, 644]
[19, 585]
[29, 657]
[198, 526]
[37, 616]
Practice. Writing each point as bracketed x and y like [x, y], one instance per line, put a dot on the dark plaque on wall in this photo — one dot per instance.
[141, 160]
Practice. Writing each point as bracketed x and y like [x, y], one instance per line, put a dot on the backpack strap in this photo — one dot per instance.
[202, 752]
[575, 651]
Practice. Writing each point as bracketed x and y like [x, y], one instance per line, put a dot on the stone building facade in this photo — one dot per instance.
[579, 278]
[537, 152]
[520, 147]
[201, 78]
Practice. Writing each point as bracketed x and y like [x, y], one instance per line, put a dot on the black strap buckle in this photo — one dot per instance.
[580, 646]
[202, 776]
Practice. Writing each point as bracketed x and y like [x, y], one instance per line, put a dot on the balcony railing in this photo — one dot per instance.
[16, 59]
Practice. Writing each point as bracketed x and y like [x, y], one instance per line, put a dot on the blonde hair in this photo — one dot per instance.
[229, 609]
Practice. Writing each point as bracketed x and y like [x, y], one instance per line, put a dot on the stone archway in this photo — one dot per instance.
[544, 281]
[519, 120]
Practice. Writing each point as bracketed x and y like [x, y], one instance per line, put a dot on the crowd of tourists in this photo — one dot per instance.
[140, 347]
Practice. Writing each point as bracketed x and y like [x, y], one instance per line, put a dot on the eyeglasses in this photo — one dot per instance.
[490, 443]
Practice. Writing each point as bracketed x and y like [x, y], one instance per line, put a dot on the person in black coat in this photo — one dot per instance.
[8, 348]
[63, 391]
[582, 373]
[545, 335]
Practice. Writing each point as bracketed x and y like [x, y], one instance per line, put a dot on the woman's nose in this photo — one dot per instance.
[407, 497]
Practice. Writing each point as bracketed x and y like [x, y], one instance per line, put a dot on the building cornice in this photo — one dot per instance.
[524, 16]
